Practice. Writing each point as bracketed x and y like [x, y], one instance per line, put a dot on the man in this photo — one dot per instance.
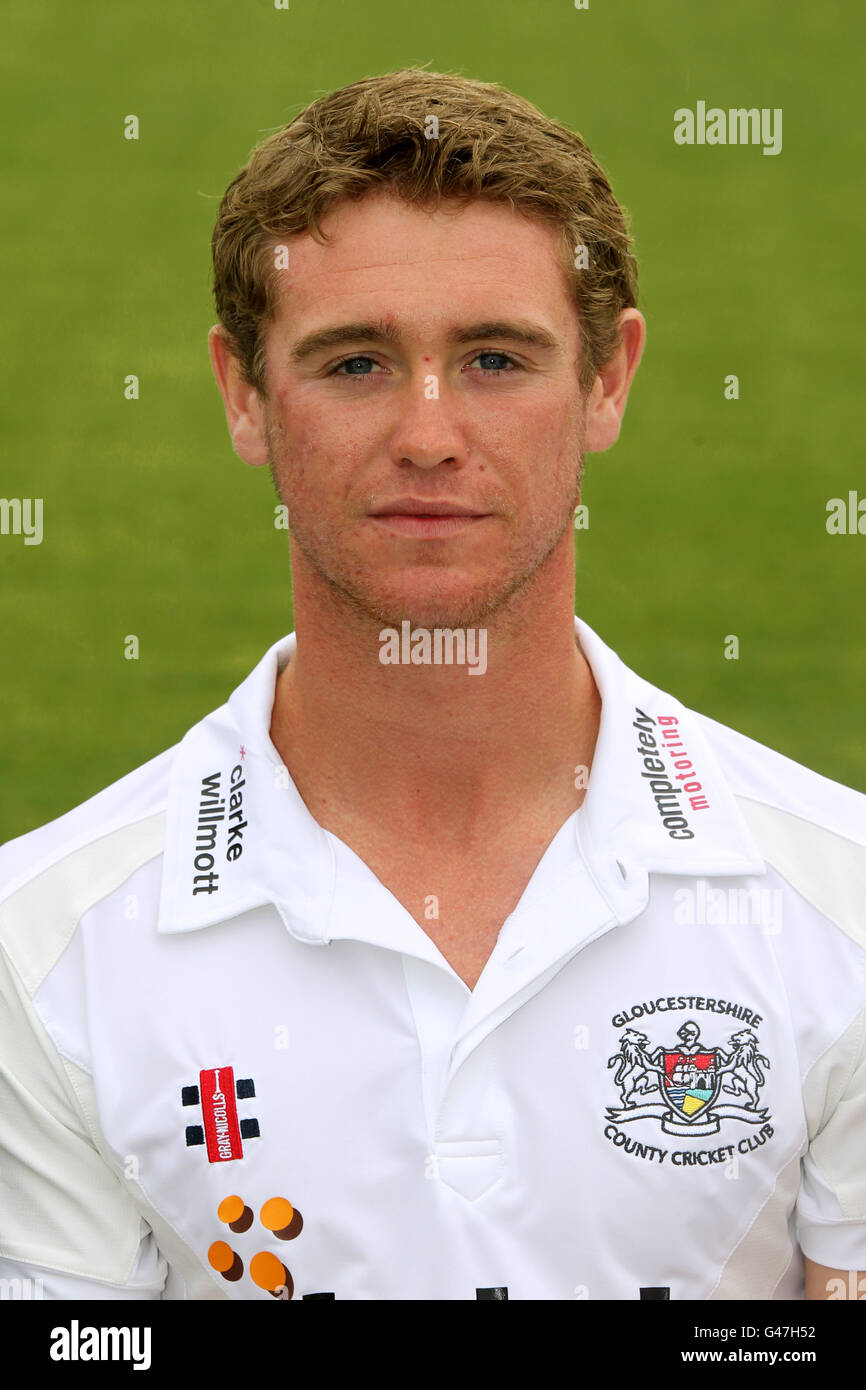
[449, 959]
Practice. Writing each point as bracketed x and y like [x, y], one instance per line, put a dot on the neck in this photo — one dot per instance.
[409, 746]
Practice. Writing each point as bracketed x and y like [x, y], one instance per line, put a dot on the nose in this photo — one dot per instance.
[428, 430]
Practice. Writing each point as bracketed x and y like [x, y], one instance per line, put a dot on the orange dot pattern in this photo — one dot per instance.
[266, 1270]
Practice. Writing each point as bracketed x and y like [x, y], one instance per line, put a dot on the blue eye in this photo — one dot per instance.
[354, 361]
[494, 363]
[502, 356]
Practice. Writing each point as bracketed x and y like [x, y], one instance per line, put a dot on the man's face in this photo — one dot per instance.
[430, 403]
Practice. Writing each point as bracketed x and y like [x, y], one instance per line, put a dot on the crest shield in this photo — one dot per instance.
[691, 1082]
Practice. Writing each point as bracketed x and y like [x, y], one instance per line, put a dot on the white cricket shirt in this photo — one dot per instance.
[233, 1066]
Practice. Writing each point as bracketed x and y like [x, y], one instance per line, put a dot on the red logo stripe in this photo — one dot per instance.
[217, 1090]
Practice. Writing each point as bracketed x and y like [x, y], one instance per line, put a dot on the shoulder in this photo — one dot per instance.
[133, 798]
[811, 829]
[50, 877]
[763, 776]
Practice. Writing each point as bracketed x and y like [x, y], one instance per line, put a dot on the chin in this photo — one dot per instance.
[438, 605]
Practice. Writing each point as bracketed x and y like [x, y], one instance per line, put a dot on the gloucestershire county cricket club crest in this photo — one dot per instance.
[690, 1088]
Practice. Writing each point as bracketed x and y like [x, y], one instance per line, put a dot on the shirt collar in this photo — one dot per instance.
[238, 834]
[274, 851]
[678, 819]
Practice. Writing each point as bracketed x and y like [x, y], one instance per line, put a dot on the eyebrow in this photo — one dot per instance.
[381, 331]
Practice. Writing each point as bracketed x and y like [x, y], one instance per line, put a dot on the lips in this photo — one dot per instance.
[426, 527]
[425, 507]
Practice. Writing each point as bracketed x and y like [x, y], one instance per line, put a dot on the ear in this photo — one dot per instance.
[245, 411]
[607, 399]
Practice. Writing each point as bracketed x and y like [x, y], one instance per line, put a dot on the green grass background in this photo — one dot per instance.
[707, 518]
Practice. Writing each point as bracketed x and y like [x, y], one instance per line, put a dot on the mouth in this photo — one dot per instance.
[425, 518]
[424, 506]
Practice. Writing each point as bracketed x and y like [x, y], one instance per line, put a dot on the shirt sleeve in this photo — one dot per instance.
[831, 1207]
[66, 1218]
[147, 1279]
